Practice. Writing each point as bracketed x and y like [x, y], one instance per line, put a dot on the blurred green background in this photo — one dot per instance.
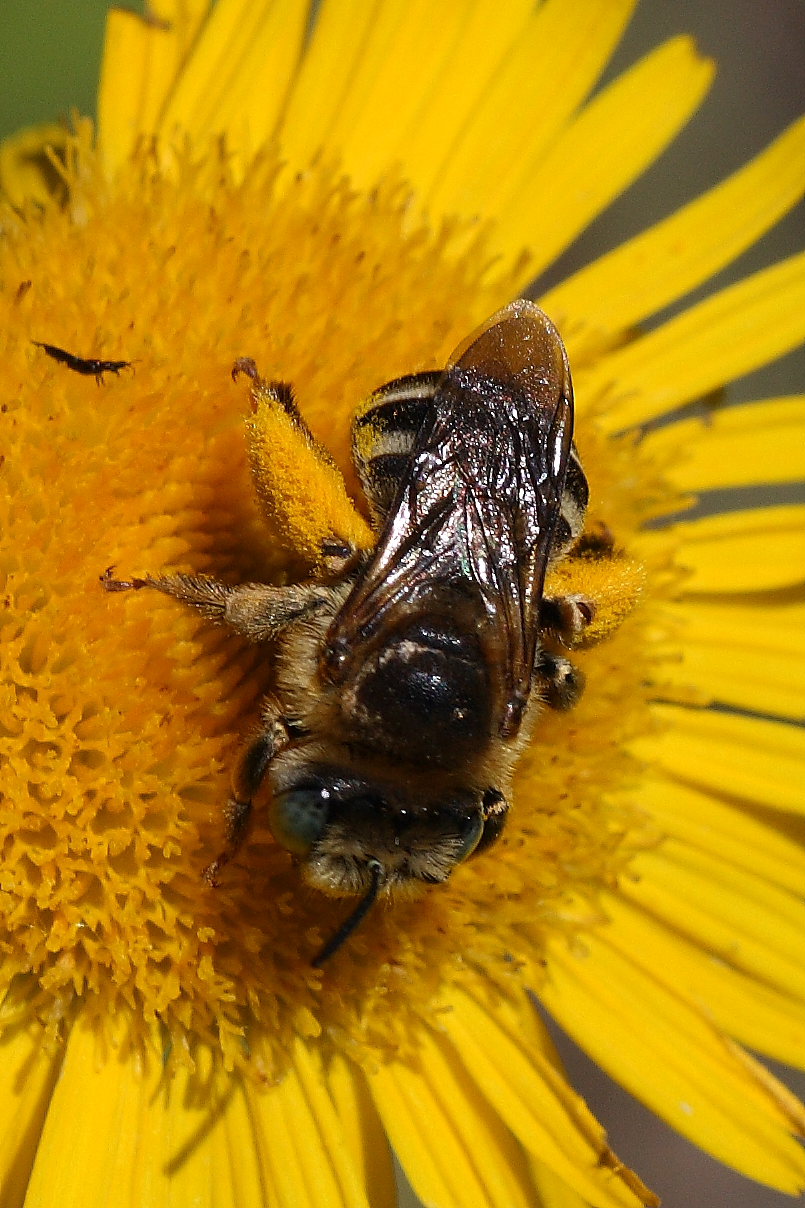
[49, 55]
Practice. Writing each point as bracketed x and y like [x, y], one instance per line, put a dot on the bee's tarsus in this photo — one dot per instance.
[246, 366]
[110, 583]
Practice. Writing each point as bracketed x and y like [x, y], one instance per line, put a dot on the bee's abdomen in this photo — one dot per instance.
[573, 507]
[384, 432]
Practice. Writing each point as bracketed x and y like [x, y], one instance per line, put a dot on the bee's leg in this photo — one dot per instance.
[330, 534]
[562, 684]
[339, 557]
[249, 775]
[566, 617]
[255, 610]
[607, 586]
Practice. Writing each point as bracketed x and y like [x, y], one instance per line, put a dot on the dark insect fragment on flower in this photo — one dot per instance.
[90, 366]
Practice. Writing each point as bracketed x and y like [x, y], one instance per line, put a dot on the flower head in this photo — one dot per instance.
[254, 193]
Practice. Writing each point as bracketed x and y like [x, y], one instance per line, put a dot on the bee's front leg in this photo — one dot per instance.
[249, 775]
[256, 610]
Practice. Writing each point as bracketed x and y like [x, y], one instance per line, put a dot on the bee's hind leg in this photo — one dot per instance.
[249, 775]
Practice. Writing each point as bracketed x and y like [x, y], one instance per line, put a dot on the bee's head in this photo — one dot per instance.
[338, 822]
[358, 836]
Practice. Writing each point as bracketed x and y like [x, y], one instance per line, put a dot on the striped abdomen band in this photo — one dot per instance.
[384, 432]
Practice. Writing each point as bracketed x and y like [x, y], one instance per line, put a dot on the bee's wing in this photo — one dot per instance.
[482, 499]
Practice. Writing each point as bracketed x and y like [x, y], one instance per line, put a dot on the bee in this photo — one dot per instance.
[410, 676]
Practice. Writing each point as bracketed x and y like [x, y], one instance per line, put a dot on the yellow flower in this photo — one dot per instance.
[346, 207]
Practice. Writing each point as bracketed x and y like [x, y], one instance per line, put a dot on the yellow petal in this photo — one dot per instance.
[632, 1025]
[674, 256]
[237, 77]
[729, 334]
[785, 1099]
[736, 446]
[185, 16]
[730, 673]
[123, 1134]
[333, 55]
[523, 1085]
[753, 658]
[301, 1140]
[741, 1006]
[520, 103]
[732, 913]
[759, 761]
[712, 823]
[546, 204]
[28, 1073]
[362, 1131]
[552, 1191]
[751, 550]
[140, 62]
[201, 1139]
[466, 133]
[751, 621]
[454, 1149]
[398, 95]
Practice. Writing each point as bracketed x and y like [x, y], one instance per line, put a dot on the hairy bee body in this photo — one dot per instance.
[405, 787]
[405, 674]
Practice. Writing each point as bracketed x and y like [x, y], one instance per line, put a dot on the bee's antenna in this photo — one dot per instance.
[378, 875]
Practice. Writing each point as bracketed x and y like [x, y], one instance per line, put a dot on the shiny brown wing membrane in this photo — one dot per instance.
[478, 506]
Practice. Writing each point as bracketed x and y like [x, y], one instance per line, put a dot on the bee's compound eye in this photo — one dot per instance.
[470, 836]
[298, 818]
